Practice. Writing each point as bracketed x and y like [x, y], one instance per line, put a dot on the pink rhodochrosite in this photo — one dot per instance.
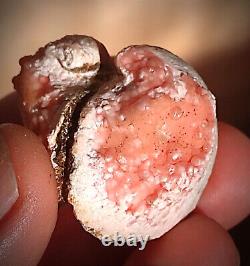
[132, 138]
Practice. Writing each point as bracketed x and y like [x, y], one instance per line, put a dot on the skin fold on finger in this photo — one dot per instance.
[226, 198]
[26, 229]
[196, 241]
[71, 245]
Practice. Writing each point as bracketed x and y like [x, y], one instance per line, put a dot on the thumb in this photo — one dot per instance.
[28, 198]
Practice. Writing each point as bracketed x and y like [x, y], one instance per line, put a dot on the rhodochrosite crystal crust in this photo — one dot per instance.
[132, 138]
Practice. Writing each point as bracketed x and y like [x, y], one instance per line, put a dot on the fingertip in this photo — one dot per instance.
[25, 230]
[197, 240]
[226, 198]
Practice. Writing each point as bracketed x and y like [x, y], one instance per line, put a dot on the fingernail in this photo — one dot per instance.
[8, 183]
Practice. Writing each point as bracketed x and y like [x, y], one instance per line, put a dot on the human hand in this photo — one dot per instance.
[27, 224]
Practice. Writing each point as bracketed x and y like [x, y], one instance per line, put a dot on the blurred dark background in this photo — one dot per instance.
[213, 36]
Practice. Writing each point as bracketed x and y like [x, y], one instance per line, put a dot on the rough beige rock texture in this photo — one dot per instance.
[75, 72]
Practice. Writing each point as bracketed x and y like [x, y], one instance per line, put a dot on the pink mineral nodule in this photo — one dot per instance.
[132, 138]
